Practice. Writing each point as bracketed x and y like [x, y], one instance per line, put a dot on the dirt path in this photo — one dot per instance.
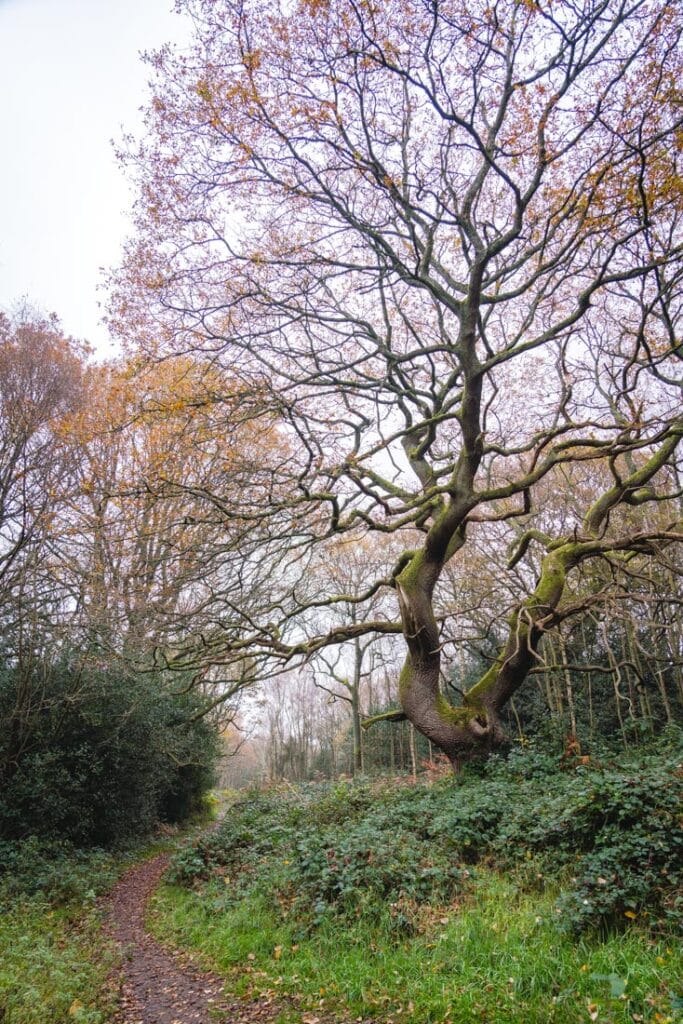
[159, 986]
[156, 986]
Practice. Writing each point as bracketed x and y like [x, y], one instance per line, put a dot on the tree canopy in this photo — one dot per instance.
[433, 251]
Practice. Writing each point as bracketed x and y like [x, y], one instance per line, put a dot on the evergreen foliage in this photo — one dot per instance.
[95, 757]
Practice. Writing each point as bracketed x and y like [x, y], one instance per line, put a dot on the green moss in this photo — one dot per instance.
[405, 678]
[632, 483]
[486, 682]
[407, 579]
[553, 576]
[457, 716]
[395, 715]
[546, 595]
[548, 590]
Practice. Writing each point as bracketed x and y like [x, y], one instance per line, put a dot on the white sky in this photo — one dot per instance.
[71, 80]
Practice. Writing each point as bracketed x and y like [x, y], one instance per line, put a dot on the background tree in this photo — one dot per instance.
[90, 750]
[346, 671]
[41, 383]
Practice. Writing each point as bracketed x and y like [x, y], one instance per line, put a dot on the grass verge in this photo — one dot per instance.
[499, 956]
[53, 964]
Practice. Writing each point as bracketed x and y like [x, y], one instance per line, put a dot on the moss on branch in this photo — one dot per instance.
[386, 716]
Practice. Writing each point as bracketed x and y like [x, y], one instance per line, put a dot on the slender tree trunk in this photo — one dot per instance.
[355, 710]
[661, 684]
[413, 751]
[568, 689]
[589, 684]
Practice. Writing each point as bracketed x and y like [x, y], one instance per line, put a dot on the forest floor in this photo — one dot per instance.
[160, 985]
[524, 895]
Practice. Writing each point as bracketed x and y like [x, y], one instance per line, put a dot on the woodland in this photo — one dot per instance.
[379, 509]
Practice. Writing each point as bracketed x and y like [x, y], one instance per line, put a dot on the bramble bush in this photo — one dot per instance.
[608, 835]
[365, 866]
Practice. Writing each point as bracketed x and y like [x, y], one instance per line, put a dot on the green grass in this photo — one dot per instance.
[526, 894]
[53, 966]
[500, 957]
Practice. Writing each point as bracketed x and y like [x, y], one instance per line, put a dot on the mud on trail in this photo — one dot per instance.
[158, 986]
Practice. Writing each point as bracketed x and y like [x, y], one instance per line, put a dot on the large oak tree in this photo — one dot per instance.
[441, 242]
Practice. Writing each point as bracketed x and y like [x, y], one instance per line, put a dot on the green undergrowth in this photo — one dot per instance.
[522, 893]
[55, 965]
[52, 965]
[498, 957]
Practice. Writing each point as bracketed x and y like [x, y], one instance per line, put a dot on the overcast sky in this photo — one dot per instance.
[71, 80]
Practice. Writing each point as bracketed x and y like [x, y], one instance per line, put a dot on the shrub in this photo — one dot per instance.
[97, 758]
[366, 866]
[344, 849]
[56, 870]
